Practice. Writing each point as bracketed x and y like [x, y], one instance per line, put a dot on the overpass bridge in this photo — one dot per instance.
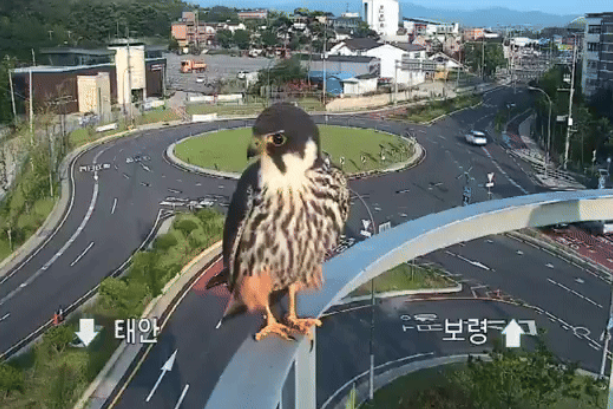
[286, 371]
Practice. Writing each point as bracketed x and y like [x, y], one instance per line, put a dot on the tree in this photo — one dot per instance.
[486, 56]
[11, 379]
[57, 338]
[224, 37]
[269, 38]
[283, 72]
[519, 379]
[241, 39]
[173, 44]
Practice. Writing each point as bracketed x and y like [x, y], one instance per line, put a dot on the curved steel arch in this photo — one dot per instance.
[241, 387]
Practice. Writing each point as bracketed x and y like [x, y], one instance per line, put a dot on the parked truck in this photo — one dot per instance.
[192, 66]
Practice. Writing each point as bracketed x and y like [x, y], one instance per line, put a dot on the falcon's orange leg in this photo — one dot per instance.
[273, 327]
[302, 325]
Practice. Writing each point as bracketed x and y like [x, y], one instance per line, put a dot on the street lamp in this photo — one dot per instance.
[548, 127]
[268, 82]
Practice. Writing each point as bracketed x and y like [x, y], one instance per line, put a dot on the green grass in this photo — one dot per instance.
[42, 366]
[402, 278]
[253, 107]
[27, 222]
[158, 115]
[428, 112]
[397, 394]
[82, 136]
[400, 394]
[227, 149]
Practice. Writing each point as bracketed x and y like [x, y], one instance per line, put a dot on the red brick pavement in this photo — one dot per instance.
[599, 249]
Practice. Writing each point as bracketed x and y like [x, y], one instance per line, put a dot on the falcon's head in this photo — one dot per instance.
[287, 141]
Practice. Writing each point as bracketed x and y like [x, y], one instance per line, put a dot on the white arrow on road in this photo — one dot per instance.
[86, 331]
[474, 263]
[166, 368]
[512, 334]
[365, 223]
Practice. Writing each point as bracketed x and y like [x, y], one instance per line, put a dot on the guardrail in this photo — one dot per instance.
[286, 371]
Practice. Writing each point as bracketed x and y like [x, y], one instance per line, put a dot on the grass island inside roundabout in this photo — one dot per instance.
[362, 149]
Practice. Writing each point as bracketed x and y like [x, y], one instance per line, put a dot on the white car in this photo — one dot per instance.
[199, 80]
[476, 138]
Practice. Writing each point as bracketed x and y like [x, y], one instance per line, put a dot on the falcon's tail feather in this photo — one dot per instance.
[233, 308]
[220, 279]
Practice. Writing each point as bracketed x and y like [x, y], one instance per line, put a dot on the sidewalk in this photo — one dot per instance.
[525, 148]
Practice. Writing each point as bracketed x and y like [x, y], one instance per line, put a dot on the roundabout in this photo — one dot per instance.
[122, 215]
[354, 150]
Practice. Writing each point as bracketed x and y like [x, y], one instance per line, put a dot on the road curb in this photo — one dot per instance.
[385, 378]
[390, 294]
[58, 212]
[431, 122]
[416, 159]
[122, 360]
[567, 255]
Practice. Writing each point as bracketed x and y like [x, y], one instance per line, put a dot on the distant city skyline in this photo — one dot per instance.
[559, 7]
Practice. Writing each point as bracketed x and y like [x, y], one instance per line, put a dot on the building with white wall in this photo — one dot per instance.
[382, 16]
[391, 56]
[597, 53]
[416, 26]
[94, 94]
[130, 68]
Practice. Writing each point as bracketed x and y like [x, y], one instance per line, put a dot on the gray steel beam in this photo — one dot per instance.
[238, 388]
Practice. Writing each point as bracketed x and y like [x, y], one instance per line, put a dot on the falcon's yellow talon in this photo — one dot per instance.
[303, 325]
[281, 330]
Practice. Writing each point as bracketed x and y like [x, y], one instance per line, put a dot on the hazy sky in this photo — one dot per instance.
[547, 6]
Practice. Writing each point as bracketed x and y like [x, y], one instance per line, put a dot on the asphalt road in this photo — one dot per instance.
[118, 227]
[432, 186]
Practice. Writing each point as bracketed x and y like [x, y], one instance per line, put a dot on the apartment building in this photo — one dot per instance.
[597, 53]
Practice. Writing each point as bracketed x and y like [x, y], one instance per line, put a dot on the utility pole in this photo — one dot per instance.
[324, 85]
[395, 80]
[31, 108]
[570, 105]
[483, 58]
[129, 76]
[371, 380]
[12, 92]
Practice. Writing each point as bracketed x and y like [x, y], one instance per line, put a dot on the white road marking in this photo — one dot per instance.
[62, 250]
[5, 316]
[583, 297]
[221, 186]
[126, 176]
[474, 263]
[489, 241]
[82, 254]
[579, 280]
[145, 167]
[114, 206]
[501, 170]
[182, 396]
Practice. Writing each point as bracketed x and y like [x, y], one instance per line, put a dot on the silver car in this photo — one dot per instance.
[476, 138]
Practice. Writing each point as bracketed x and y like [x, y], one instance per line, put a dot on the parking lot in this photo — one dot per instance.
[218, 67]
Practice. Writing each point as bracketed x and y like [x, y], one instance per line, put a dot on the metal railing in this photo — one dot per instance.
[286, 371]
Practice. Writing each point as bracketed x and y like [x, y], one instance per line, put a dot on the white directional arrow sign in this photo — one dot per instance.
[86, 331]
[512, 334]
[166, 368]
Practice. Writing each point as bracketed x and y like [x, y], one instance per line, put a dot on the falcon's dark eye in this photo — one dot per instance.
[278, 139]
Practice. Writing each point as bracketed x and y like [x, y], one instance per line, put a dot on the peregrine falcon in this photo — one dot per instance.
[288, 211]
